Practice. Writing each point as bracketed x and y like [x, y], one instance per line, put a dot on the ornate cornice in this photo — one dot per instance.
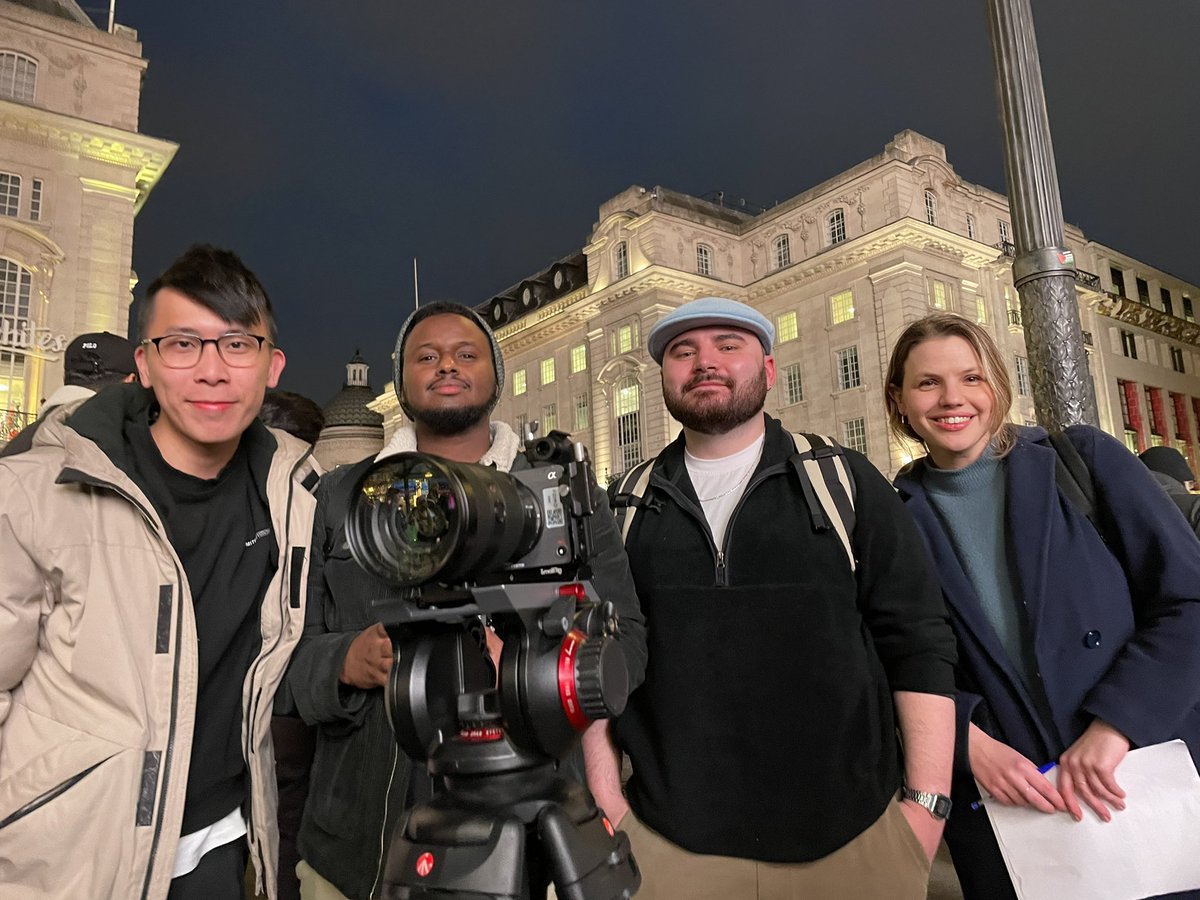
[148, 156]
[1133, 313]
[907, 233]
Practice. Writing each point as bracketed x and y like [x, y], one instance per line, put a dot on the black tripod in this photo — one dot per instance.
[505, 823]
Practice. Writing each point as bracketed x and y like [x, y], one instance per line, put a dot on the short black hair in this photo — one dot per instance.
[219, 281]
[294, 413]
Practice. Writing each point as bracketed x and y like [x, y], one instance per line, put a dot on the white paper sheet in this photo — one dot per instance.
[1151, 847]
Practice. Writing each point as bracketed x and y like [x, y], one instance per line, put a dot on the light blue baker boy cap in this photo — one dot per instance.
[709, 311]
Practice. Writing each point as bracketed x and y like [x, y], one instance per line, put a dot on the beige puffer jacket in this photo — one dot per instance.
[98, 672]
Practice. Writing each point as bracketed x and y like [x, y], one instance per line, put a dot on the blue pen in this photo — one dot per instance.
[1042, 770]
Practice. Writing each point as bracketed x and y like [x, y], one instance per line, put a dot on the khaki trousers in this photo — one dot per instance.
[313, 886]
[886, 862]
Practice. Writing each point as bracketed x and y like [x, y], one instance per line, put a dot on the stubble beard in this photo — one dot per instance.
[717, 415]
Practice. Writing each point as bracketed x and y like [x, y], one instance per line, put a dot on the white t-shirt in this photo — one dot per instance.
[193, 846]
[720, 483]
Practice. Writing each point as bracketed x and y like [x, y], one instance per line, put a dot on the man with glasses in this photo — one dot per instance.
[153, 544]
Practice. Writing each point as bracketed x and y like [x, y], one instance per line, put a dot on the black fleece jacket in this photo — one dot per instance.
[765, 728]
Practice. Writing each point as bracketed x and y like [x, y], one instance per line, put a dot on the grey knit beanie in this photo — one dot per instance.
[441, 308]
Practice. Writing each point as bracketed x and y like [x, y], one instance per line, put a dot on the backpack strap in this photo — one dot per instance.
[1074, 478]
[829, 490]
[628, 493]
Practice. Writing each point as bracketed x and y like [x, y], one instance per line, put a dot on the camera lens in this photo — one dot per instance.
[416, 518]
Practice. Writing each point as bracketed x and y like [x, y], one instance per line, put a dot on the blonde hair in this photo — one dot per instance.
[940, 325]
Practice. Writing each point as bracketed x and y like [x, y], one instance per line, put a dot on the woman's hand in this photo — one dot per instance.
[1087, 770]
[1009, 777]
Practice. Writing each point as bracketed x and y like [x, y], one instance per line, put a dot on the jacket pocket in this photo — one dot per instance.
[350, 772]
[54, 793]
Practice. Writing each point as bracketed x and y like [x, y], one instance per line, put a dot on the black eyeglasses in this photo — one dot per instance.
[182, 351]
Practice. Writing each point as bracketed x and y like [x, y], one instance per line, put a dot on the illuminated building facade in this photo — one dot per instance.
[74, 171]
[841, 269]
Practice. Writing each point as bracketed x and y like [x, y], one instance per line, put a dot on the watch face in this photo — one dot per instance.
[941, 807]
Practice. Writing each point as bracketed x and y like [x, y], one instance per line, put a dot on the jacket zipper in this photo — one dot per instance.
[720, 554]
[253, 703]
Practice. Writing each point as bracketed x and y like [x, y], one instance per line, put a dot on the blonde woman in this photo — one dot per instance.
[1077, 641]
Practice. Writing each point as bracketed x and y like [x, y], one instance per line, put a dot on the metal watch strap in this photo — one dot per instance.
[937, 804]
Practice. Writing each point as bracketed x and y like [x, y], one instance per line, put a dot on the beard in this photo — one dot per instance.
[447, 422]
[717, 415]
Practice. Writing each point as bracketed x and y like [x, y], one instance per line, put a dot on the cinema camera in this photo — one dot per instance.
[460, 542]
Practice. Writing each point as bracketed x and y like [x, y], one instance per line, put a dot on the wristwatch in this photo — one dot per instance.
[937, 804]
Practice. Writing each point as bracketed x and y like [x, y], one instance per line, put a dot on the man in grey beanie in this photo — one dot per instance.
[448, 375]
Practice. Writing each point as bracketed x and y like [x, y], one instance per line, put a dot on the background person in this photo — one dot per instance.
[92, 361]
[763, 741]
[448, 376]
[1170, 470]
[1074, 645]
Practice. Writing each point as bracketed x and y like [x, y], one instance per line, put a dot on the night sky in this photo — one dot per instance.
[329, 143]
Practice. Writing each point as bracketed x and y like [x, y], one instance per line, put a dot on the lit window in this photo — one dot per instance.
[627, 408]
[578, 358]
[937, 294]
[783, 251]
[1003, 226]
[1024, 387]
[841, 307]
[837, 226]
[785, 327]
[621, 258]
[10, 194]
[582, 416]
[519, 385]
[18, 76]
[547, 371]
[980, 309]
[931, 207]
[15, 287]
[623, 338]
[793, 388]
[854, 435]
[970, 226]
[549, 418]
[35, 200]
[704, 259]
[848, 375]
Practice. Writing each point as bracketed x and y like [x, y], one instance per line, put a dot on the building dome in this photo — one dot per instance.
[349, 407]
[352, 430]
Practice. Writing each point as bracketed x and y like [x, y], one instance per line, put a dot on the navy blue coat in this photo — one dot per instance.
[1115, 619]
[1116, 627]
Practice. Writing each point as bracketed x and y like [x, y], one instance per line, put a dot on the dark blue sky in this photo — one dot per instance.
[331, 142]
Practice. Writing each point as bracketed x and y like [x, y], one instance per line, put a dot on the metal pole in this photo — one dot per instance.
[1044, 269]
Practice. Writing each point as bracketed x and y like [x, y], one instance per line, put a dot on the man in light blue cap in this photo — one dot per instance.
[762, 741]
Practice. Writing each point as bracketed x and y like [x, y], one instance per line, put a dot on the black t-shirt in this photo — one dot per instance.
[221, 530]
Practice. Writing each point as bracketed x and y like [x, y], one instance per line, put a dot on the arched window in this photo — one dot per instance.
[783, 251]
[931, 207]
[621, 260]
[627, 417]
[704, 258]
[18, 76]
[837, 226]
[16, 283]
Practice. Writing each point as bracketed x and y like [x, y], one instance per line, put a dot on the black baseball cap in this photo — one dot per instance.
[99, 353]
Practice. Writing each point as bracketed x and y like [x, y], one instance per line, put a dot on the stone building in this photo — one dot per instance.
[352, 430]
[841, 269]
[74, 172]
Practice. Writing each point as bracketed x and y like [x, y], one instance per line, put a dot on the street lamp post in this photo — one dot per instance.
[1044, 269]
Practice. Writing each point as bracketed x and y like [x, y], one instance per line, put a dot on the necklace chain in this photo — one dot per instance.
[737, 484]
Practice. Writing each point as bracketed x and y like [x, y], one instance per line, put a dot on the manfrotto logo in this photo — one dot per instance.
[261, 533]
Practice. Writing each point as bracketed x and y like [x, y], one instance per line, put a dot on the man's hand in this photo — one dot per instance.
[1087, 769]
[927, 829]
[368, 660]
[1009, 777]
